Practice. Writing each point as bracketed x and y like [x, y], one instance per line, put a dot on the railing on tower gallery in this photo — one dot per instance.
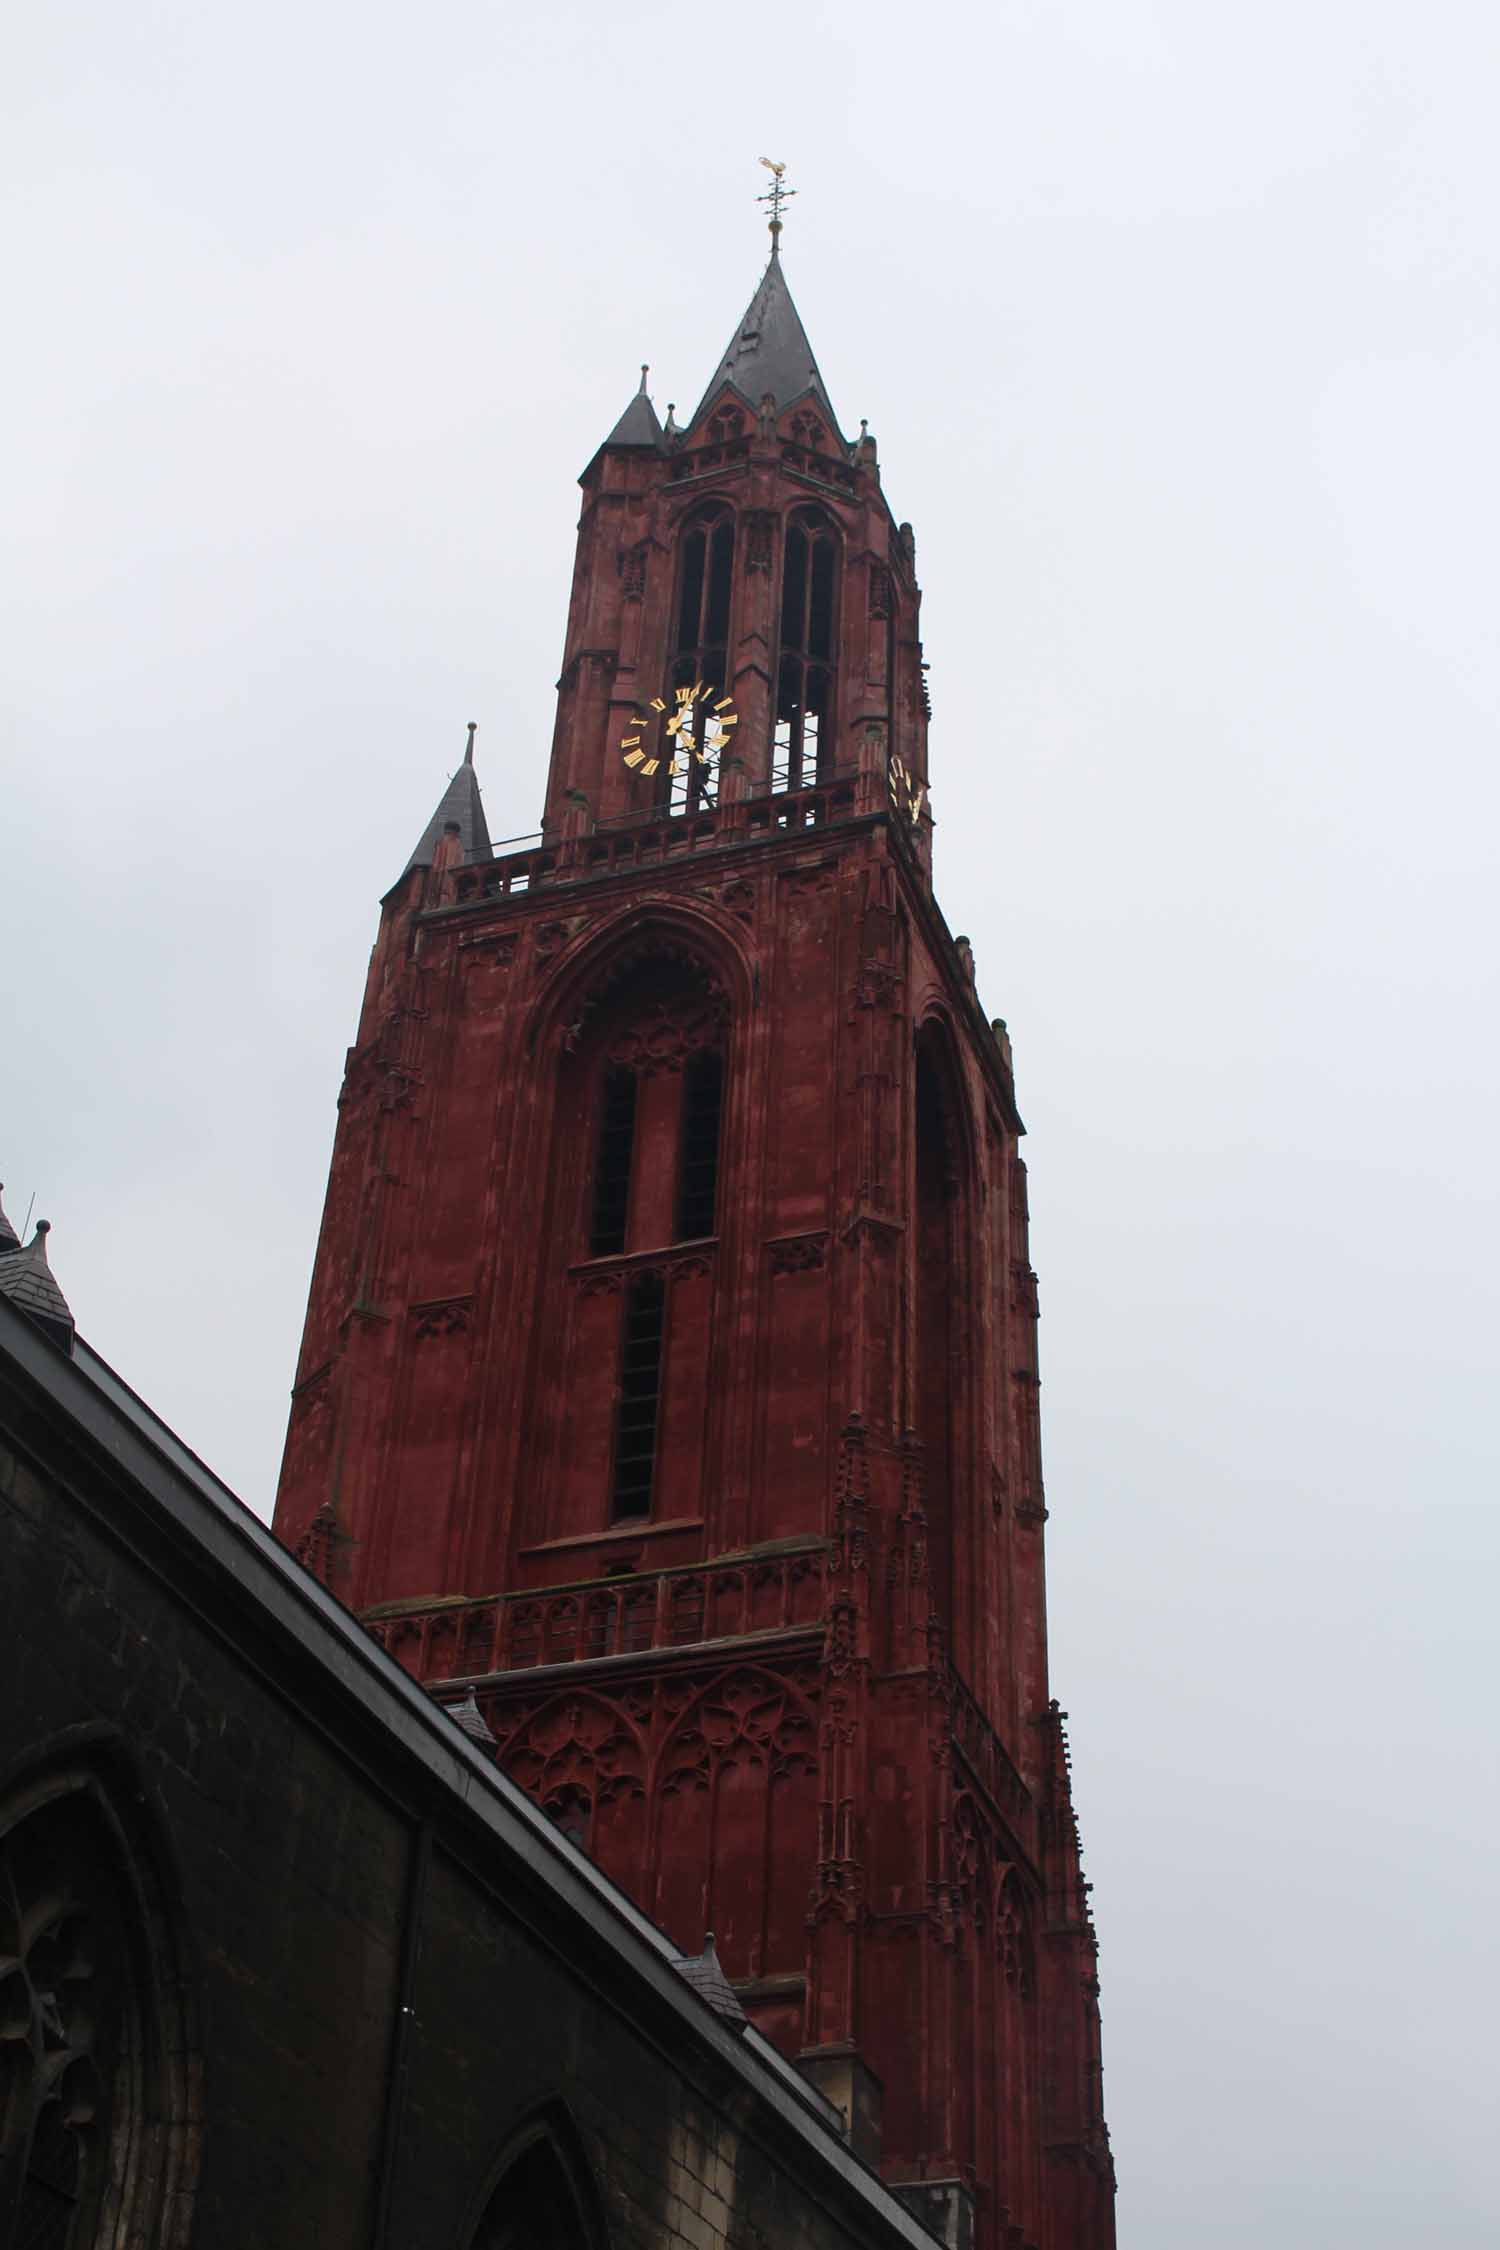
[738, 1598]
[646, 838]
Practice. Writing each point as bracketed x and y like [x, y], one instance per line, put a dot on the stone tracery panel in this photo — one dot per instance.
[92, 2141]
[735, 1806]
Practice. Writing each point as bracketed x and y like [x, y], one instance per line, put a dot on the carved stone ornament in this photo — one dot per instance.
[880, 984]
[799, 1253]
[747, 1717]
[314, 1550]
[880, 590]
[488, 949]
[664, 1033]
[760, 532]
[695, 990]
[633, 572]
[592, 1280]
[311, 1396]
[445, 1316]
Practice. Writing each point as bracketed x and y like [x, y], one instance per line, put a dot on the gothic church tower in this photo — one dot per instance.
[669, 1379]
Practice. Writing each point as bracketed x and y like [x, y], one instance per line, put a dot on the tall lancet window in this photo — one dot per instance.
[642, 1110]
[700, 658]
[938, 1279]
[802, 744]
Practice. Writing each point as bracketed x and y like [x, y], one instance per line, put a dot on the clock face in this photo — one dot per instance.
[908, 795]
[695, 728]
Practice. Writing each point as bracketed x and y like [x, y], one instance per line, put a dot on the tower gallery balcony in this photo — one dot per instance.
[644, 839]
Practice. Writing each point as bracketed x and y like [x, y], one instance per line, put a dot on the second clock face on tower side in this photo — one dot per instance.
[696, 727]
[908, 794]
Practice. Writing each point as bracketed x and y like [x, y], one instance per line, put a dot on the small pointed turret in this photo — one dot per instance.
[469, 1716]
[638, 425]
[459, 811]
[704, 1973]
[769, 352]
[27, 1281]
[9, 1239]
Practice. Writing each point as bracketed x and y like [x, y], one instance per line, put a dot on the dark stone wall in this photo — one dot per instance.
[377, 1988]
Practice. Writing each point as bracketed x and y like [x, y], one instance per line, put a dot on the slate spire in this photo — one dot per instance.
[9, 1239]
[458, 808]
[769, 351]
[638, 425]
[27, 1281]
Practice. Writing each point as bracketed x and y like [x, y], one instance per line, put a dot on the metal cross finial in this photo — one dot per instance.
[776, 195]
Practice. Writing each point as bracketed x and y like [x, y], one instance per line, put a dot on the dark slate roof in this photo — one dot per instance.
[26, 1279]
[459, 806]
[9, 1239]
[469, 1716]
[638, 424]
[703, 1973]
[769, 351]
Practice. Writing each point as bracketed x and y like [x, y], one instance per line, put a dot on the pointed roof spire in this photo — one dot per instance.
[469, 1716]
[9, 1239]
[703, 1972]
[27, 1281]
[638, 424]
[769, 351]
[459, 807]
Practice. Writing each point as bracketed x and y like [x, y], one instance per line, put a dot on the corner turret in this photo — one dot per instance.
[459, 813]
[27, 1281]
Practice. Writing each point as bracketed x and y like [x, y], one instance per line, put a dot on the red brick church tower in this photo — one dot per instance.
[669, 1384]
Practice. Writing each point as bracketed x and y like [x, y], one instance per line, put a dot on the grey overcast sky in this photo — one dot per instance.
[1178, 327]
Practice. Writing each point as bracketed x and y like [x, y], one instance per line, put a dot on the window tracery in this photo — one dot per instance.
[802, 742]
[84, 2123]
[573, 1755]
[705, 571]
[645, 1080]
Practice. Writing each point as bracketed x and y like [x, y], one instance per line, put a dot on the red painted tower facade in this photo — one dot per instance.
[669, 1382]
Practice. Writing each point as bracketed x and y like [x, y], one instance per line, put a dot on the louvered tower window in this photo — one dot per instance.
[698, 1173]
[700, 644]
[639, 1397]
[612, 1169]
[802, 744]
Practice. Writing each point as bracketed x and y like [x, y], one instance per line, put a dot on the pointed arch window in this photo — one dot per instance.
[700, 641]
[637, 1180]
[543, 2201]
[802, 742]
